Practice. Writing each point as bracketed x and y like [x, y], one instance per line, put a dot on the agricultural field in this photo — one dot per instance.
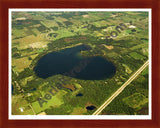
[70, 63]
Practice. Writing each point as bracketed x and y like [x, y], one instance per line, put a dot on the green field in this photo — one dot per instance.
[136, 55]
[54, 102]
[135, 100]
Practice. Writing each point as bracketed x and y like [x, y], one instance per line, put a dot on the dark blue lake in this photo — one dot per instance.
[90, 107]
[79, 94]
[70, 62]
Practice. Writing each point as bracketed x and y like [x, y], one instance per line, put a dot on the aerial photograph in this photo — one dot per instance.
[79, 63]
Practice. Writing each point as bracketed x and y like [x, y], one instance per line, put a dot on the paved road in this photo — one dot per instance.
[104, 105]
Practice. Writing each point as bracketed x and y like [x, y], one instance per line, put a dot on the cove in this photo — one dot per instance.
[63, 61]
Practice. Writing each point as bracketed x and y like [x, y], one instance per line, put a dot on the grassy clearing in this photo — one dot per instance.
[146, 71]
[145, 51]
[128, 70]
[33, 56]
[21, 63]
[135, 100]
[49, 23]
[96, 33]
[142, 45]
[64, 33]
[142, 91]
[78, 86]
[38, 45]
[54, 102]
[18, 33]
[112, 54]
[24, 42]
[100, 23]
[60, 19]
[78, 111]
[139, 29]
[128, 31]
[35, 31]
[136, 55]
[17, 103]
[25, 80]
[70, 86]
[108, 47]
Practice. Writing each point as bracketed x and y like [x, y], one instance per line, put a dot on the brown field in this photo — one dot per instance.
[72, 87]
[21, 18]
[36, 25]
[108, 47]
[73, 39]
[143, 111]
[85, 16]
[42, 113]
[60, 19]
[141, 25]
[78, 111]
[26, 41]
[21, 63]
[38, 45]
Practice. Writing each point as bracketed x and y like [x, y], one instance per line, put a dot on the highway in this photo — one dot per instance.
[108, 101]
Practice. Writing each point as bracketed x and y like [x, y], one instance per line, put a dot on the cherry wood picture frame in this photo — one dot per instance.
[4, 41]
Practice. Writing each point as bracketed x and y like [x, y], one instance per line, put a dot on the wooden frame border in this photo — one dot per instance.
[5, 5]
